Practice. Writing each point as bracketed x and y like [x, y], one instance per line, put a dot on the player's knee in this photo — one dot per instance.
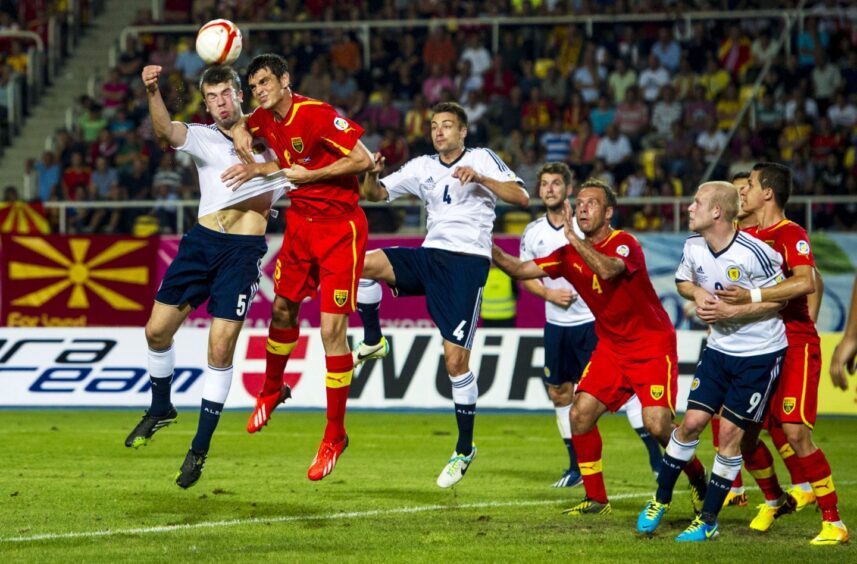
[561, 396]
[220, 354]
[582, 420]
[158, 337]
[799, 438]
[658, 427]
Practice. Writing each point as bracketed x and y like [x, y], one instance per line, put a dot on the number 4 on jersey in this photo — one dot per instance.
[446, 197]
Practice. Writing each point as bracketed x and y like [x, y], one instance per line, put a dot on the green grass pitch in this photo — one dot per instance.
[71, 491]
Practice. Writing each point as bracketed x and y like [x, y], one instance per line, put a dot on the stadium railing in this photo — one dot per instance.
[674, 222]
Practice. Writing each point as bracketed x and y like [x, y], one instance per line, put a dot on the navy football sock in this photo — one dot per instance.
[653, 447]
[667, 477]
[572, 456]
[371, 322]
[209, 415]
[160, 395]
[465, 416]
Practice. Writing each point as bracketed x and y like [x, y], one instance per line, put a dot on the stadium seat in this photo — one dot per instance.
[648, 159]
[516, 221]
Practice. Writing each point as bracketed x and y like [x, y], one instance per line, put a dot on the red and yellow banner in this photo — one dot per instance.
[23, 218]
[77, 280]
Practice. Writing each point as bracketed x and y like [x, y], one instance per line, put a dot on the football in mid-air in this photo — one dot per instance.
[219, 42]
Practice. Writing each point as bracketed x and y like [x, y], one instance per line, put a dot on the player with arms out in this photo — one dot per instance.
[219, 259]
[739, 367]
[636, 351]
[569, 334]
[324, 242]
[794, 406]
[460, 188]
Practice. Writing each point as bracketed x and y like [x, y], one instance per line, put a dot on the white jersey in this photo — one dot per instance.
[541, 238]
[749, 263]
[460, 218]
[213, 152]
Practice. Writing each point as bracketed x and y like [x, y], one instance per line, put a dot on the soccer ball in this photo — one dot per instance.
[218, 42]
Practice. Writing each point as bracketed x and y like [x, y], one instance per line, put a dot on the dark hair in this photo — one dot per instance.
[218, 74]
[556, 168]
[609, 192]
[273, 62]
[451, 108]
[778, 178]
[740, 176]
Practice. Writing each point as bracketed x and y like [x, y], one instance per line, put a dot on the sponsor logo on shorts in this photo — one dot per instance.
[789, 405]
[802, 247]
[733, 273]
[695, 384]
[297, 144]
[657, 392]
[547, 372]
[623, 250]
[340, 297]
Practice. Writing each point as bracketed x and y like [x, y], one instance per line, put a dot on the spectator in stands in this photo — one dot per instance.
[437, 84]
[734, 53]
[556, 141]
[602, 115]
[6, 86]
[620, 80]
[584, 147]
[667, 111]
[728, 107]
[416, 121]
[136, 182]
[48, 175]
[188, 62]
[795, 135]
[803, 172]
[164, 54]
[575, 113]
[537, 113]
[121, 125]
[667, 50]
[555, 87]
[385, 115]
[652, 79]
[744, 161]
[91, 122]
[17, 58]
[528, 170]
[715, 79]
[316, 84]
[825, 141]
[526, 76]
[848, 69]
[677, 149]
[165, 213]
[498, 80]
[602, 173]
[466, 82]
[342, 89]
[698, 110]
[826, 80]
[104, 146]
[475, 109]
[476, 54]
[616, 152]
[635, 184]
[589, 76]
[809, 41]
[439, 49]
[77, 174]
[712, 141]
[567, 43]
[842, 113]
[114, 92]
[684, 80]
[632, 117]
[762, 49]
[393, 148]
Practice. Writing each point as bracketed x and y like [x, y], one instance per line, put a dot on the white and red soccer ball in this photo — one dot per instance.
[219, 42]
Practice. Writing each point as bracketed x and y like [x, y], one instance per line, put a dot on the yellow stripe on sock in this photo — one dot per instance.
[763, 473]
[280, 348]
[823, 487]
[338, 379]
[589, 468]
[786, 451]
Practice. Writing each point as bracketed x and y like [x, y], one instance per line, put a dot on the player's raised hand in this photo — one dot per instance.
[466, 174]
[560, 297]
[236, 175]
[734, 295]
[299, 174]
[568, 222]
[150, 76]
[843, 359]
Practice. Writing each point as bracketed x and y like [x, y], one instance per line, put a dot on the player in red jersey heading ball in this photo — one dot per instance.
[325, 239]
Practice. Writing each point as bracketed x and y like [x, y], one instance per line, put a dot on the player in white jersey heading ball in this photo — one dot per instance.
[740, 365]
[569, 334]
[219, 259]
[460, 188]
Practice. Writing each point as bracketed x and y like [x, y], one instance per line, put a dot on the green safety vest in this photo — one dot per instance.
[498, 298]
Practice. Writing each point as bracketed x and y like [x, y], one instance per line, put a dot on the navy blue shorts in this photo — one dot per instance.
[219, 267]
[567, 351]
[741, 385]
[451, 282]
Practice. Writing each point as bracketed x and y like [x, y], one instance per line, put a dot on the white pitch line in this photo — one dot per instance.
[296, 518]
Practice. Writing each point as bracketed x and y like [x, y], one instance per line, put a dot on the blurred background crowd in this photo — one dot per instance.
[647, 106]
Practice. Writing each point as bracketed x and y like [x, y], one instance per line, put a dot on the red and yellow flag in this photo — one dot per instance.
[23, 218]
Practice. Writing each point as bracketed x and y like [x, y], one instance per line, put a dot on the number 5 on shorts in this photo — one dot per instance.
[242, 304]
[459, 331]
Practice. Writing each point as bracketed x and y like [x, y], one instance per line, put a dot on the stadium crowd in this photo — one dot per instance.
[644, 106]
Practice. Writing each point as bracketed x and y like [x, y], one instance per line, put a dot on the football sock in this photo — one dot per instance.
[817, 471]
[653, 447]
[337, 381]
[722, 475]
[161, 365]
[694, 470]
[368, 304]
[760, 463]
[588, 448]
[563, 423]
[738, 484]
[676, 457]
[281, 343]
[778, 437]
[465, 392]
[217, 383]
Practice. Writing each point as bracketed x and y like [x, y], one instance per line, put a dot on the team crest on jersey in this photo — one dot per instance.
[733, 273]
[623, 250]
[695, 384]
[789, 405]
[341, 123]
[657, 392]
[340, 297]
[802, 247]
[297, 144]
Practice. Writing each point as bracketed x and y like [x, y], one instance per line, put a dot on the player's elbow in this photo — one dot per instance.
[362, 161]
[520, 197]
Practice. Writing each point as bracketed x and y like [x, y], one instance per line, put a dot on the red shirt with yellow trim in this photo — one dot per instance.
[791, 240]
[313, 135]
[629, 317]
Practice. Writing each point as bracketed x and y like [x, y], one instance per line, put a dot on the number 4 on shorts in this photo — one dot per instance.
[459, 331]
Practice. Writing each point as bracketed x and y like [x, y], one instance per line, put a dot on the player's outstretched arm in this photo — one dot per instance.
[514, 267]
[165, 129]
[357, 161]
[507, 190]
[800, 283]
[557, 296]
[603, 266]
[846, 351]
[371, 188]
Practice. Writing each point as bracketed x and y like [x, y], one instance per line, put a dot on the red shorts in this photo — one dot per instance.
[796, 397]
[322, 255]
[613, 378]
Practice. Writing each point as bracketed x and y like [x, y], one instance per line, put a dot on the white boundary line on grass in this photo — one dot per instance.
[296, 518]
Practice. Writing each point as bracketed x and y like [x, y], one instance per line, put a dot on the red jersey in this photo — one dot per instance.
[629, 317]
[790, 240]
[312, 135]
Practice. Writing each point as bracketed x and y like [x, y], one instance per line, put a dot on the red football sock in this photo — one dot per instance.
[760, 463]
[338, 381]
[792, 464]
[817, 471]
[694, 469]
[281, 343]
[588, 449]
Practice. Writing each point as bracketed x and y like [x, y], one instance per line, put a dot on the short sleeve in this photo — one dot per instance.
[797, 250]
[626, 248]
[526, 250]
[552, 264]
[338, 133]
[493, 167]
[405, 181]
[684, 272]
[194, 144]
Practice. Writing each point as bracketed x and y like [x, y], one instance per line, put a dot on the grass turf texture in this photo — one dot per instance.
[68, 472]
